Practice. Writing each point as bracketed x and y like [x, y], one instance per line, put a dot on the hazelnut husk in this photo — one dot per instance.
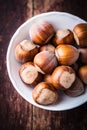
[63, 77]
[76, 89]
[45, 62]
[82, 73]
[80, 34]
[45, 94]
[63, 37]
[25, 51]
[66, 54]
[41, 32]
[29, 75]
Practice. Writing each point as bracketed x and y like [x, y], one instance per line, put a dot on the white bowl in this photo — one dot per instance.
[59, 20]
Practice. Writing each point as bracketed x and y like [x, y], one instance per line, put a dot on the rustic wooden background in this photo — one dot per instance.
[15, 112]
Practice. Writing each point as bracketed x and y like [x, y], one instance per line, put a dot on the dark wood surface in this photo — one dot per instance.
[15, 112]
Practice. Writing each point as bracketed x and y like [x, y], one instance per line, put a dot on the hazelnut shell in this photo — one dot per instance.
[45, 94]
[29, 75]
[41, 32]
[76, 89]
[63, 77]
[66, 54]
[45, 62]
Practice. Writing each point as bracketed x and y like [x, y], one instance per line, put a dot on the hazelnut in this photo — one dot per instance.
[63, 77]
[83, 55]
[82, 72]
[25, 51]
[48, 47]
[66, 54]
[45, 94]
[41, 32]
[76, 89]
[80, 34]
[29, 74]
[63, 37]
[45, 62]
[47, 78]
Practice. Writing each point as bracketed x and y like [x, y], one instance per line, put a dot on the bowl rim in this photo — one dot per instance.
[8, 52]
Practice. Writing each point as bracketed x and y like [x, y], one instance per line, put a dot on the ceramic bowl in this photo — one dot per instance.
[60, 20]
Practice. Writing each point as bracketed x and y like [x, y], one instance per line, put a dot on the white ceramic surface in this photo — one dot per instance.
[60, 20]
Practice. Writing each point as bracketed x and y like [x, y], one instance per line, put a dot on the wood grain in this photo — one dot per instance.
[75, 7]
[15, 112]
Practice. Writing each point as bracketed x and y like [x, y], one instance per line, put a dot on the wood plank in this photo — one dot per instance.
[75, 119]
[78, 8]
[15, 112]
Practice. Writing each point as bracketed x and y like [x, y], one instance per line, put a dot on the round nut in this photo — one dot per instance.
[29, 74]
[25, 51]
[48, 47]
[80, 34]
[41, 32]
[45, 62]
[66, 54]
[45, 94]
[63, 37]
[82, 72]
[63, 77]
[76, 89]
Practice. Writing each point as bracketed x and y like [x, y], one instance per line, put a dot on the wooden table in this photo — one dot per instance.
[15, 112]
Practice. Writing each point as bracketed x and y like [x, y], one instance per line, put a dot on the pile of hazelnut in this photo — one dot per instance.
[53, 61]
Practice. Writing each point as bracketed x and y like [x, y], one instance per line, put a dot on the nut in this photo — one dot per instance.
[29, 74]
[80, 34]
[45, 94]
[25, 51]
[41, 32]
[76, 89]
[48, 47]
[83, 55]
[63, 37]
[82, 72]
[47, 78]
[63, 77]
[45, 62]
[66, 54]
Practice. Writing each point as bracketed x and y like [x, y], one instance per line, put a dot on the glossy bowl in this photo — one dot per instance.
[60, 20]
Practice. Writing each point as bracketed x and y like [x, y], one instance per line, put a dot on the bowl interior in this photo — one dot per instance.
[59, 21]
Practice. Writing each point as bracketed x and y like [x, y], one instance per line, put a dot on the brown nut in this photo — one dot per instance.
[63, 77]
[48, 47]
[83, 55]
[80, 34]
[66, 54]
[41, 32]
[25, 51]
[63, 37]
[82, 72]
[47, 78]
[29, 74]
[45, 94]
[76, 89]
[45, 62]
